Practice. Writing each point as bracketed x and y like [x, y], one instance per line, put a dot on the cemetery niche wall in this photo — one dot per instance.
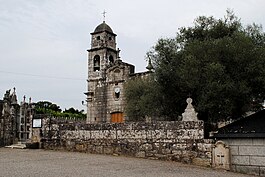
[15, 119]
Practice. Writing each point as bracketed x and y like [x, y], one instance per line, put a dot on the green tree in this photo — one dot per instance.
[217, 62]
[142, 98]
[73, 111]
[46, 107]
[43, 107]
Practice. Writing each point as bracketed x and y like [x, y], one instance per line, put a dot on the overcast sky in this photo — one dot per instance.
[43, 43]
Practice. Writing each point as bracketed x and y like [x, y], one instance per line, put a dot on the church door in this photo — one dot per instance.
[117, 117]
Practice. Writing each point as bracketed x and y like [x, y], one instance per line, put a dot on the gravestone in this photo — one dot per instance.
[221, 155]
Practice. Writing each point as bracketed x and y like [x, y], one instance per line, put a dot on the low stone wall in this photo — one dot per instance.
[247, 155]
[177, 141]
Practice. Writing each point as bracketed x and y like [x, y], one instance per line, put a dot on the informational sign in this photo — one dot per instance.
[36, 123]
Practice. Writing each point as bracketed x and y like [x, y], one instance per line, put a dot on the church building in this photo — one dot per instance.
[107, 74]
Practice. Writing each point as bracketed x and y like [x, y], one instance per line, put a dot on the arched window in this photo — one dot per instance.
[111, 60]
[97, 63]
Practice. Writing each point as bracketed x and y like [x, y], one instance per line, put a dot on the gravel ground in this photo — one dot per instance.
[25, 162]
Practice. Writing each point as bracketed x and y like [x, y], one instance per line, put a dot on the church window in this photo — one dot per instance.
[110, 38]
[111, 60]
[98, 38]
[97, 63]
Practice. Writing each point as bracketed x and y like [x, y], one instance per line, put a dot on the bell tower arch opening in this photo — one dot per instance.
[96, 63]
[111, 59]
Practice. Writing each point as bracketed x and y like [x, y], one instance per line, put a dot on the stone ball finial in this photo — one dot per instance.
[189, 100]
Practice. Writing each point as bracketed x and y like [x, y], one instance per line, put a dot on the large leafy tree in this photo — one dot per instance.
[143, 98]
[218, 62]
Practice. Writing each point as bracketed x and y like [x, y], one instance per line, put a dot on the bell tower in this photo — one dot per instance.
[101, 55]
[103, 48]
[107, 75]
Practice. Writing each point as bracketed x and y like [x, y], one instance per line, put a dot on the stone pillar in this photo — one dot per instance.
[189, 114]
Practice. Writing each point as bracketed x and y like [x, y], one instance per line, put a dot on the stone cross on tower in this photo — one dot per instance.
[104, 15]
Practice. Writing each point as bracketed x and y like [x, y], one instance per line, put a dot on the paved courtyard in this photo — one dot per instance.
[25, 162]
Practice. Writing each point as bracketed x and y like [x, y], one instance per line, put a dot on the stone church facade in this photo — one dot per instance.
[107, 74]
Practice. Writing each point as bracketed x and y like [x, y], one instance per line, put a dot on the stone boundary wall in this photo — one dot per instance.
[177, 141]
[247, 155]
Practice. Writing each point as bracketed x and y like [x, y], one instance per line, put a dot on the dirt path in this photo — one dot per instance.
[25, 162]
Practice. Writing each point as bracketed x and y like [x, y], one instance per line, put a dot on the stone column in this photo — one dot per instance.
[189, 114]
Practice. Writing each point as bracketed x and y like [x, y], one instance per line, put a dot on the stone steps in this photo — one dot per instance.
[17, 146]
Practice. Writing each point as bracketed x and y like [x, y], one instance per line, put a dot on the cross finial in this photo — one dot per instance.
[104, 15]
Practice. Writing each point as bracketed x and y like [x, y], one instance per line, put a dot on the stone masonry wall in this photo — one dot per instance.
[247, 155]
[177, 141]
